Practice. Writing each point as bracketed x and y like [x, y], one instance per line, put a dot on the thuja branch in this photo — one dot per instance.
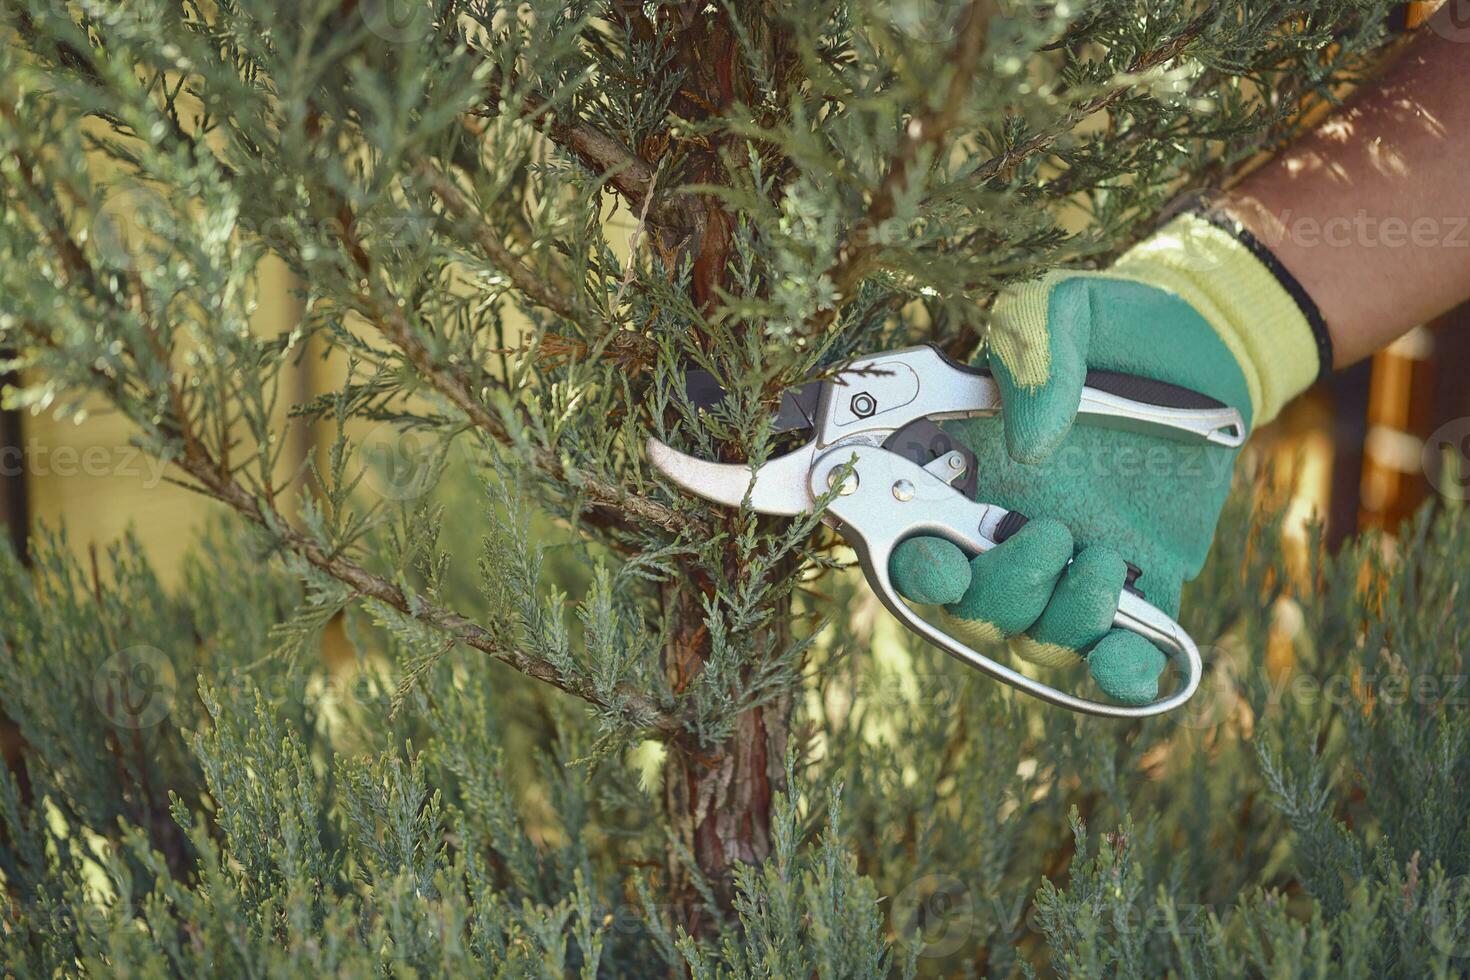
[626, 346]
[212, 475]
[453, 384]
[857, 256]
[212, 478]
[924, 132]
[631, 175]
[636, 707]
[559, 296]
[627, 172]
[1006, 161]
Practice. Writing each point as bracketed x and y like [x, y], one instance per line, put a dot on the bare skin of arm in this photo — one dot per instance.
[1371, 212]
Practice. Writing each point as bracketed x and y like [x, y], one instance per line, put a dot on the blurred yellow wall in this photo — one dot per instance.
[87, 475]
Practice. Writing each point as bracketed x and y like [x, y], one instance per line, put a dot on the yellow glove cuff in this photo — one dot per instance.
[1240, 298]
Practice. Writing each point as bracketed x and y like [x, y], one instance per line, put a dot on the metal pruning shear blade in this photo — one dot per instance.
[888, 474]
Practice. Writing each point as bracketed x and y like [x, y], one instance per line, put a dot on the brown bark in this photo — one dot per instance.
[717, 798]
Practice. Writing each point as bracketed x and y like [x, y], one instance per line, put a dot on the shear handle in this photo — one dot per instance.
[886, 499]
[1109, 398]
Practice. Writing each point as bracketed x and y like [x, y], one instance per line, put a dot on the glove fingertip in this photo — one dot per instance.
[1037, 418]
[1041, 342]
[1082, 606]
[929, 570]
[1127, 667]
[1032, 557]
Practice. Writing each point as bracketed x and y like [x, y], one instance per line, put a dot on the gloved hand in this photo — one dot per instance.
[1195, 306]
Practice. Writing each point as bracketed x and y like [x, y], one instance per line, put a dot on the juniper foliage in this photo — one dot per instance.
[594, 726]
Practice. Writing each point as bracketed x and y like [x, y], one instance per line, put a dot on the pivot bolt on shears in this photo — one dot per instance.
[887, 473]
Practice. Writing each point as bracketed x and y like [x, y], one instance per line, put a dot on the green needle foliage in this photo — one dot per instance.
[590, 725]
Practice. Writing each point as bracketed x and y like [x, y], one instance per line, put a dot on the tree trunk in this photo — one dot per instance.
[717, 799]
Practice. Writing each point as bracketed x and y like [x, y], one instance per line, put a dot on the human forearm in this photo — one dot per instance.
[1371, 212]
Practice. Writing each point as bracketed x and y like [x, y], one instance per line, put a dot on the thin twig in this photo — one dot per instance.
[630, 174]
[449, 383]
[452, 383]
[557, 299]
[635, 240]
[626, 345]
[638, 707]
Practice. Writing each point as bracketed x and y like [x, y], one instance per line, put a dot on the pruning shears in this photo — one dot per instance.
[881, 470]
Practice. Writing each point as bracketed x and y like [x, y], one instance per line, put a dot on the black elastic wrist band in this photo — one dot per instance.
[1299, 295]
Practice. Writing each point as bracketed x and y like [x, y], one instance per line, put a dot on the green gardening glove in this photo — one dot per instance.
[1194, 306]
